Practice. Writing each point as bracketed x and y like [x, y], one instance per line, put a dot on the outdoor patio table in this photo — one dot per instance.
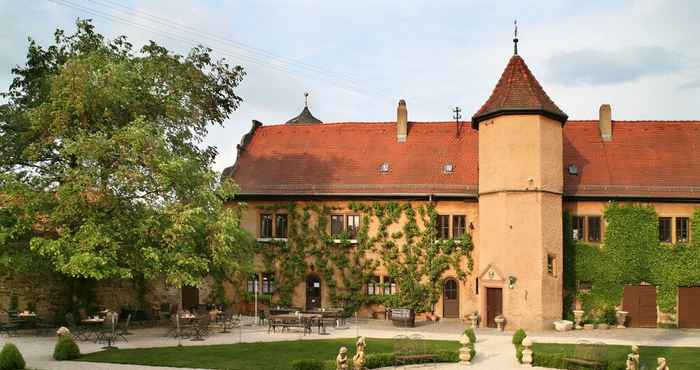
[92, 326]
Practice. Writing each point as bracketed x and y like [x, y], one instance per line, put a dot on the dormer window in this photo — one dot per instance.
[448, 168]
[384, 167]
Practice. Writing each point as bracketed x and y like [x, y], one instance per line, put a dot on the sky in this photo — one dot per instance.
[358, 58]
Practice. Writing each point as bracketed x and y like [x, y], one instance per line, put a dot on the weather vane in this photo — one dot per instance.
[458, 114]
[306, 99]
[515, 37]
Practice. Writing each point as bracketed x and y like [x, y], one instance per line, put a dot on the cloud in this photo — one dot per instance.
[693, 84]
[603, 67]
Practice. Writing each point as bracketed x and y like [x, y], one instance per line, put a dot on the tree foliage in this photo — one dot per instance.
[104, 173]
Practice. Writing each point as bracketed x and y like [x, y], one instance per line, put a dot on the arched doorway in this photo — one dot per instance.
[450, 298]
[190, 297]
[313, 292]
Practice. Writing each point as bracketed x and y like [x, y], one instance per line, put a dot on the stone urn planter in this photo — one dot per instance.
[474, 320]
[465, 352]
[621, 319]
[563, 325]
[500, 322]
[578, 318]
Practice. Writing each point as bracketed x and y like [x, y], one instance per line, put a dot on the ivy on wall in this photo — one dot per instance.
[413, 256]
[631, 254]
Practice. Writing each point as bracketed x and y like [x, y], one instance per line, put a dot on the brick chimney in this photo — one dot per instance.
[401, 122]
[605, 122]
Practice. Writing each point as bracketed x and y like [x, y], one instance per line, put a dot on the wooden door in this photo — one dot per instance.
[450, 299]
[689, 307]
[313, 292]
[640, 302]
[494, 305]
[190, 297]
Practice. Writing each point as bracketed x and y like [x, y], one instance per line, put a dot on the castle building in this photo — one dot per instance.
[504, 179]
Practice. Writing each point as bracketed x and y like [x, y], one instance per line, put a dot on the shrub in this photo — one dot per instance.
[472, 338]
[308, 365]
[376, 360]
[517, 342]
[10, 358]
[617, 365]
[549, 360]
[66, 349]
[610, 316]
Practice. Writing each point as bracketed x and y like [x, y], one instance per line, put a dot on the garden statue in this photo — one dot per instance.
[465, 352]
[633, 359]
[527, 351]
[358, 361]
[341, 362]
[661, 361]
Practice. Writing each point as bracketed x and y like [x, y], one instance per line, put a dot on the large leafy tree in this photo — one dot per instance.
[103, 170]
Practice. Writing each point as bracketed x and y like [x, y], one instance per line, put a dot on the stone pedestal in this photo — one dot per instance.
[474, 320]
[621, 319]
[527, 352]
[578, 318]
[465, 352]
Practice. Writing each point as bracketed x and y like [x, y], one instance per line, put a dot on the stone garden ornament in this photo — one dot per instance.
[632, 362]
[527, 352]
[465, 352]
[358, 361]
[341, 362]
[661, 361]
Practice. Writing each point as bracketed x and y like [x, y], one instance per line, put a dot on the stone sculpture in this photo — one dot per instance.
[341, 362]
[578, 318]
[465, 352]
[358, 361]
[527, 351]
[633, 359]
[661, 361]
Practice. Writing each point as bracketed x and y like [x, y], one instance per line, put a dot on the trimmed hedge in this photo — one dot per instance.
[66, 349]
[556, 361]
[376, 360]
[309, 365]
[11, 358]
[517, 341]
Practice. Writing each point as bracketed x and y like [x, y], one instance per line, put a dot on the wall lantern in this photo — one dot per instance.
[511, 281]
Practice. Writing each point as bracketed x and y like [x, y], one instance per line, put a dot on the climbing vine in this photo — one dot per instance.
[405, 243]
[632, 254]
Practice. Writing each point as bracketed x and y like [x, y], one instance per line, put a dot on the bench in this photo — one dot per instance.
[588, 355]
[411, 350]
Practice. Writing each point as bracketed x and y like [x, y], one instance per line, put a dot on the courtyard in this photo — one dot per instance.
[252, 347]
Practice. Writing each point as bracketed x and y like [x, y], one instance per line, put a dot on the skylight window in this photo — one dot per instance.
[448, 168]
[573, 170]
[384, 167]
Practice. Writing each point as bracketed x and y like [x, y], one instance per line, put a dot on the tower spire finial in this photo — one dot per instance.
[306, 99]
[515, 38]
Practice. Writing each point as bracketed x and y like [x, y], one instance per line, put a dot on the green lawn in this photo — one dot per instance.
[248, 356]
[679, 358]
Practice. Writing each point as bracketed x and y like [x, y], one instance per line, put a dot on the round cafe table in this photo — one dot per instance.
[92, 326]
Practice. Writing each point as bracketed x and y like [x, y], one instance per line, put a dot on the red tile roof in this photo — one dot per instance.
[644, 158]
[517, 92]
[345, 158]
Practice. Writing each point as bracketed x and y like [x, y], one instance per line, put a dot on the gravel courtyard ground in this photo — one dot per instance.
[494, 348]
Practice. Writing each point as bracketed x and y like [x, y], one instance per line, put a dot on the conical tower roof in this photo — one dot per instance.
[304, 117]
[518, 92]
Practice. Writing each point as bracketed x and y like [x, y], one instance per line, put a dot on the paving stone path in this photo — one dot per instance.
[494, 350]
